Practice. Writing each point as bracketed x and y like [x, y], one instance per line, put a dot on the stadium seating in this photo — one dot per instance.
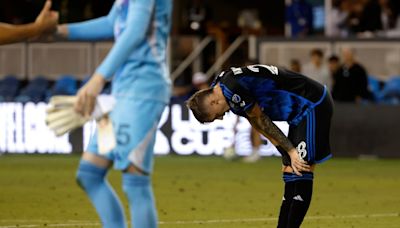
[9, 88]
[375, 86]
[36, 91]
[391, 91]
[40, 89]
[65, 85]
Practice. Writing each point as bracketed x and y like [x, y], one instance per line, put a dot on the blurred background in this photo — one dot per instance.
[352, 46]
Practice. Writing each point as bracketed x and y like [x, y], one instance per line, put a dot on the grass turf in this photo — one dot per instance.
[40, 191]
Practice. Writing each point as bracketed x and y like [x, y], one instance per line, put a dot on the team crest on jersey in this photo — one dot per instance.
[236, 98]
[301, 148]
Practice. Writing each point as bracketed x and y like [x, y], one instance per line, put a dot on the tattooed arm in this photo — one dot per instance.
[265, 126]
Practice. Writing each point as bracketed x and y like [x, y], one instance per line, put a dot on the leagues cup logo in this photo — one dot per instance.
[301, 148]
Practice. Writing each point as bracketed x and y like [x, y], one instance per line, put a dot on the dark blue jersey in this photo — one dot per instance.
[281, 94]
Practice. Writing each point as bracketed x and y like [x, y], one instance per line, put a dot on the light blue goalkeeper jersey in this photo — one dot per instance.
[137, 62]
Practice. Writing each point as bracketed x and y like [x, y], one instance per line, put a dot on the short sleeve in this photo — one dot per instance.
[239, 99]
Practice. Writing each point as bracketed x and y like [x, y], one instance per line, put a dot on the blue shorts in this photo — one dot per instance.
[312, 135]
[135, 123]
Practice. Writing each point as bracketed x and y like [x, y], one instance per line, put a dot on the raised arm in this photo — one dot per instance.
[101, 28]
[265, 126]
[138, 20]
[45, 22]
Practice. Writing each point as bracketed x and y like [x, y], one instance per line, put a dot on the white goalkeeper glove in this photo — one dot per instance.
[61, 118]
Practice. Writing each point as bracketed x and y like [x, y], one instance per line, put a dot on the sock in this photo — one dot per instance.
[297, 198]
[139, 192]
[286, 203]
[92, 180]
[301, 202]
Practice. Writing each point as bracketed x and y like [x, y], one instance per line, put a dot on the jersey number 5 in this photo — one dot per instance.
[123, 137]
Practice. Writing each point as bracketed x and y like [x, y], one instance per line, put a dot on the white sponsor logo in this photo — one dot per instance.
[23, 130]
[236, 70]
[298, 198]
[255, 68]
[301, 148]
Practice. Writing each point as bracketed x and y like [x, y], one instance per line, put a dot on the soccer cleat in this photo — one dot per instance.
[229, 153]
[253, 157]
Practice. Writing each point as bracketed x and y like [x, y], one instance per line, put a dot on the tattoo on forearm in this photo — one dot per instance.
[265, 125]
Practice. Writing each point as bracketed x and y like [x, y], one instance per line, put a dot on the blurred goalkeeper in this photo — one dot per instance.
[263, 94]
[137, 67]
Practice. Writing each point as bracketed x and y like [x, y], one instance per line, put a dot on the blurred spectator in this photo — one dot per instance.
[364, 18]
[295, 65]
[378, 15]
[338, 16]
[370, 18]
[316, 68]
[390, 19]
[299, 15]
[182, 92]
[197, 17]
[353, 21]
[350, 80]
[333, 66]
[199, 81]
[249, 22]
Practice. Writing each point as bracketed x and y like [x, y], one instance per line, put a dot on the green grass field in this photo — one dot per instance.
[40, 191]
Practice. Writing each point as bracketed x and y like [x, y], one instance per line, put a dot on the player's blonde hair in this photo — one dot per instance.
[198, 106]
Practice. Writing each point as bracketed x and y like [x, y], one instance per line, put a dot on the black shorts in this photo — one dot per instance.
[311, 135]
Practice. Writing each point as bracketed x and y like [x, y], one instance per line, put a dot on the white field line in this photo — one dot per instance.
[74, 223]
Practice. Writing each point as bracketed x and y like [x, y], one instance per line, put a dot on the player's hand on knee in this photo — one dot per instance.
[297, 163]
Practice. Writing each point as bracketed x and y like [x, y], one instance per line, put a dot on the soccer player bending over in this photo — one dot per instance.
[137, 67]
[263, 94]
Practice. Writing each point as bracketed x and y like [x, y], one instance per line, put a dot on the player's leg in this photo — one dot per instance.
[287, 199]
[91, 177]
[296, 199]
[138, 189]
[136, 127]
[312, 139]
[230, 151]
[256, 142]
[298, 189]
